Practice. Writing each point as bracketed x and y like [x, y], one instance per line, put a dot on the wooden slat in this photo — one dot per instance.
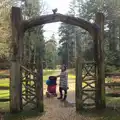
[4, 99]
[30, 101]
[32, 87]
[89, 104]
[88, 84]
[88, 68]
[28, 95]
[23, 67]
[89, 97]
[24, 98]
[5, 64]
[31, 93]
[113, 94]
[89, 62]
[88, 72]
[29, 88]
[87, 94]
[86, 75]
[24, 91]
[33, 90]
[89, 90]
[4, 76]
[89, 79]
[28, 80]
[4, 88]
[112, 74]
[112, 84]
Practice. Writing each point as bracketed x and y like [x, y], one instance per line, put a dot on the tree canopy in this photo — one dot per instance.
[87, 10]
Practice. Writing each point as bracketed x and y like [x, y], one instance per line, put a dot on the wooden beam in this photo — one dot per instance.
[112, 74]
[100, 69]
[15, 73]
[44, 19]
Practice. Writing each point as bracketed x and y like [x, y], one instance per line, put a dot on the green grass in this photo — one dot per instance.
[48, 72]
[71, 76]
[4, 93]
[106, 114]
[4, 82]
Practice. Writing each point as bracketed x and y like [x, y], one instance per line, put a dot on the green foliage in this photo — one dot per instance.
[5, 31]
[34, 40]
[87, 10]
[51, 53]
[67, 44]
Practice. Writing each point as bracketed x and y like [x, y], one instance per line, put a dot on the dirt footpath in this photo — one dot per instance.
[57, 110]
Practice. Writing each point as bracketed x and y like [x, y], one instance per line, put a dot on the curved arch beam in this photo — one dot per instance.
[58, 18]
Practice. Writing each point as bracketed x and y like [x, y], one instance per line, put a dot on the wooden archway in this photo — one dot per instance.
[19, 26]
[44, 19]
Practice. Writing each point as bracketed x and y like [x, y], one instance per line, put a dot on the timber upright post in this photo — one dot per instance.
[16, 56]
[39, 83]
[79, 103]
[100, 70]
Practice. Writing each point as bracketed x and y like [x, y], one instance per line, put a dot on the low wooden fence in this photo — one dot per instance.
[4, 89]
[113, 84]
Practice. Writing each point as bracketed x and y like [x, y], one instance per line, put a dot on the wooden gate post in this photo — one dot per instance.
[39, 85]
[79, 104]
[15, 80]
[100, 70]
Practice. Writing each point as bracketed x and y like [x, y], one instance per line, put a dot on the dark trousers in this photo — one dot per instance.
[61, 93]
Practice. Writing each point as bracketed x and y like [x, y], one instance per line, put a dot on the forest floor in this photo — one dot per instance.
[57, 110]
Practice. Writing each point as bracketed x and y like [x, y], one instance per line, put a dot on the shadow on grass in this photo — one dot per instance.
[111, 112]
[106, 114]
[23, 115]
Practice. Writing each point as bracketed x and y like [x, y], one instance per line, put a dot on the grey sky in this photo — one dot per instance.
[62, 6]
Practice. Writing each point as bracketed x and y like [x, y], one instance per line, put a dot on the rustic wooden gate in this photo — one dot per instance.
[90, 76]
[90, 85]
[29, 78]
[89, 82]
